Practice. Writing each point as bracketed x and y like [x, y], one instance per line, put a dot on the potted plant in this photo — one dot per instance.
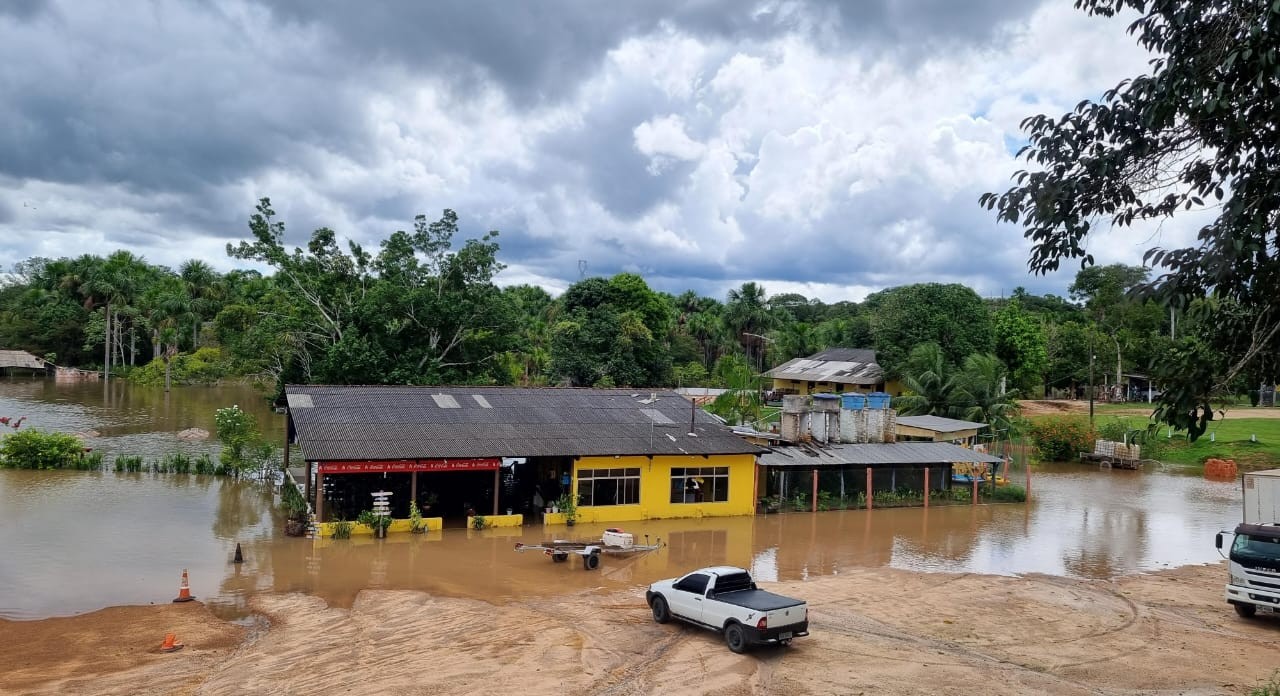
[378, 523]
[479, 522]
[415, 519]
[568, 504]
[428, 499]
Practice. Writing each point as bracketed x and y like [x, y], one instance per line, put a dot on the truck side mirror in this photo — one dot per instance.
[1217, 540]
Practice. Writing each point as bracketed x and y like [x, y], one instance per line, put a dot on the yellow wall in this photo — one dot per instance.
[325, 529]
[497, 521]
[655, 488]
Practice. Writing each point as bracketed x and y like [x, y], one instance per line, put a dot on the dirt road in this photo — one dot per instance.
[878, 631]
[1049, 407]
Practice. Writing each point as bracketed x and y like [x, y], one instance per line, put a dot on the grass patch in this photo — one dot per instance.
[1231, 438]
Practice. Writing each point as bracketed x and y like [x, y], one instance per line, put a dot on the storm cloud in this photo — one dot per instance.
[826, 147]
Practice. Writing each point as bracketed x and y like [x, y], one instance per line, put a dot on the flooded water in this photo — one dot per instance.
[75, 541]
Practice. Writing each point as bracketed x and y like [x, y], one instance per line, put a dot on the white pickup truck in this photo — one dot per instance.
[725, 599]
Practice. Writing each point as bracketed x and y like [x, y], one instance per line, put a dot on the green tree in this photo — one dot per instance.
[931, 383]
[952, 316]
[1020, 343]
[747, 317]
[1196, 133]
[611, 334]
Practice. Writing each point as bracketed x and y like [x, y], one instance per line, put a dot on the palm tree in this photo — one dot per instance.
[202, 287]
[746, 315]
[931, 383]
[982, 396]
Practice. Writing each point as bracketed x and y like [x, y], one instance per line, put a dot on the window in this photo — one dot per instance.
[708, 484]
[695, 583]
[609, 486]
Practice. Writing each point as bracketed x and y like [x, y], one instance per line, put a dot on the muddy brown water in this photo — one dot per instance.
[72, 542]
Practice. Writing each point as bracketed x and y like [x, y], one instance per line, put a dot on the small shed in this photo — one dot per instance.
[937, 429]
[11, 360]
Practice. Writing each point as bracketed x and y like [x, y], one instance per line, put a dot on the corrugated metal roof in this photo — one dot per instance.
[844, 365]
[403, 422]
[20, 358]
[939, 424]
[872, 454]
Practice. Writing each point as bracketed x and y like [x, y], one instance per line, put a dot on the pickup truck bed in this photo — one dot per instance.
[758, 600]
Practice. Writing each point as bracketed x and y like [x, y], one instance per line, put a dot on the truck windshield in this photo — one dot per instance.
[1255, 549]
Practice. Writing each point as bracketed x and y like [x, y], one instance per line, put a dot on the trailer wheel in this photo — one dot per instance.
[1246, 611]
[660, 612]
[735, 638]
[559, 557]
[591, 561]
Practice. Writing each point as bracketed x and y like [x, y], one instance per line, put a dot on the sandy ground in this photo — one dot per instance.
[878, 631]
[1052, 407]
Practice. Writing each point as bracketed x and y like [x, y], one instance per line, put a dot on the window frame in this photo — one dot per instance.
[626, 487]
[714, 488]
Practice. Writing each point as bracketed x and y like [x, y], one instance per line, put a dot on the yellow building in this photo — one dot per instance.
[617, 489]
[512, 456]
[833, 371]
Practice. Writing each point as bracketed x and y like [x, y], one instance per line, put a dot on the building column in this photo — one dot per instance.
[307, 484]
[497, 474]
[413, 487]
[868, 488]
[814, 502]
[319, 498]
[926, 486]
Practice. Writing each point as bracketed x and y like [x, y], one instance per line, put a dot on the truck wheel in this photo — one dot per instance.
[660, 612]
[1246, 611]
[735, 638]
[590, 561]
[559, 557]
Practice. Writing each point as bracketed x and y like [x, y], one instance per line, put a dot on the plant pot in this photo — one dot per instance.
[570, 521]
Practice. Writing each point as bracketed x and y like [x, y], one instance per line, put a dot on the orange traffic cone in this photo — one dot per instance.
[184, 590]
[170, 643]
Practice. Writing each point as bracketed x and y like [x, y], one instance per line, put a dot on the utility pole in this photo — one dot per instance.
[1091, 356]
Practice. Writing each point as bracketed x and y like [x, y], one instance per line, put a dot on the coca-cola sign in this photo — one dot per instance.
[407, 465]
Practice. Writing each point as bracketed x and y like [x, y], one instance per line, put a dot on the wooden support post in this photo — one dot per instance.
[814, 502]
[975, 490]
[869, 488]
[926, 486]
[497, 473]
[319, 498]
[286, 442]
[413, 486]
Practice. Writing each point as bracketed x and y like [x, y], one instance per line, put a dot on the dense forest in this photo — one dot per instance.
[422, 309]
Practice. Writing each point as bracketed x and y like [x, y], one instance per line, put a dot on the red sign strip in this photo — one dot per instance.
[408, 465]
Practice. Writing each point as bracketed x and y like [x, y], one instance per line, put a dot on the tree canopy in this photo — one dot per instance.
[1200, 133]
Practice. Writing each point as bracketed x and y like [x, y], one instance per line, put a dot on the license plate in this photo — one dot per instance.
[784, 636]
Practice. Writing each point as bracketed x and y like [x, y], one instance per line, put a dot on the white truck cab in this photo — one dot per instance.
[726, 599]
[1254, 564]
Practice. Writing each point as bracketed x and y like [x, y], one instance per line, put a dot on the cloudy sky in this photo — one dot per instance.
[823, 147]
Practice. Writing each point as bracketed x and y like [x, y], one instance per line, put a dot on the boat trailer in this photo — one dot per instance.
[614, 542]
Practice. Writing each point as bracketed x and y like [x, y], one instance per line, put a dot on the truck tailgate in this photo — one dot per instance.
[786, 616]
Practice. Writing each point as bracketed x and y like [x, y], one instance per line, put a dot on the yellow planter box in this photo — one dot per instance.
[497, 521]
[325, 529]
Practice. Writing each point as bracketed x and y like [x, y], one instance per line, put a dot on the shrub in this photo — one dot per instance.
[342, 529]
[205, 366]
[243, 447]
[204, 465]
[1006, 494]
[90, 461]
[295, 506]
[1059, 439]
[478, 522]
[33, 449]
